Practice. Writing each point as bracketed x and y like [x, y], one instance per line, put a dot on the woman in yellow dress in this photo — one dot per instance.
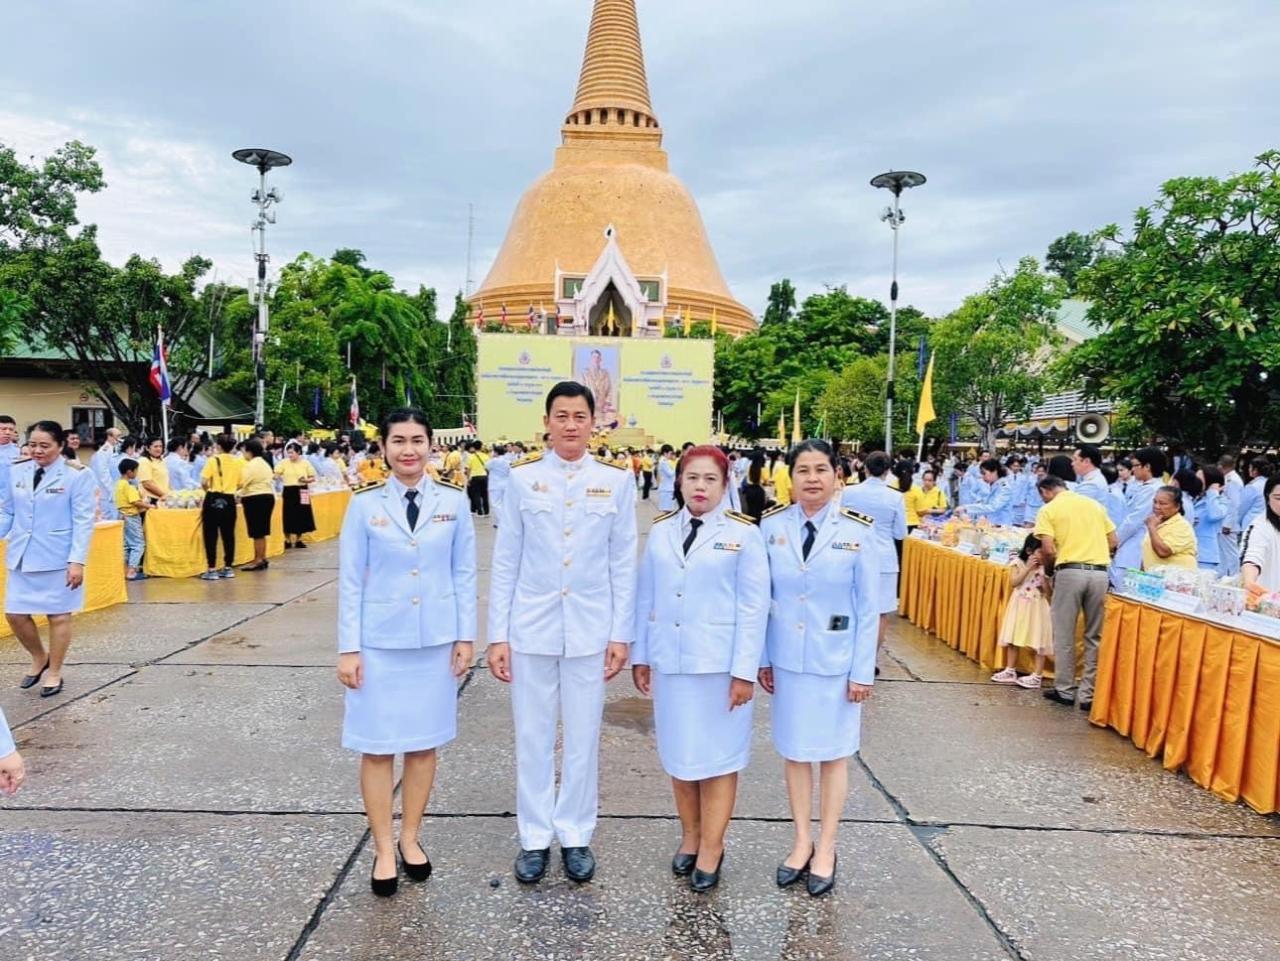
[927, 500]
[297, 475]
[1170, 540]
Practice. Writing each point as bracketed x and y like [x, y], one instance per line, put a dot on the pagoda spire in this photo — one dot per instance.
[612, 89]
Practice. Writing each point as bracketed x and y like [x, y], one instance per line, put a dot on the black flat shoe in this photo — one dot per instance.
[30, 680]
[579, 863]
[818, 886]
[300, 544]
[700, 882]
[256, 567]
[1053, 694]
[383, 887]
[288, 546]
[51, 691]
[531, 866]
[415, 872]
[1085, 706]
[682, 864]
[789, 876]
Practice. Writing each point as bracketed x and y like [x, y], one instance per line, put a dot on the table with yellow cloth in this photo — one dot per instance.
[104, 584]
[1200, 696]
[961, 599]
[175, 543]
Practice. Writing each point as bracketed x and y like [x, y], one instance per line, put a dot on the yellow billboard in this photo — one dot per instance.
[661, 388]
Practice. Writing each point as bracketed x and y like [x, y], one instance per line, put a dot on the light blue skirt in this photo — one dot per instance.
[698, 736]
[408, 702]
[666, 500]
[813, 718]
[889, 592]
[41, 592]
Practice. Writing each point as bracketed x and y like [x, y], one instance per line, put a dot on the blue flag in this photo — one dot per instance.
[921, 359]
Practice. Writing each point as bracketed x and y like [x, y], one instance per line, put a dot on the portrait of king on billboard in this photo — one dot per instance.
[599, 369]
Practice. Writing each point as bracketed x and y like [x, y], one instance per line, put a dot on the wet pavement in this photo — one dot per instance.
[188, 799]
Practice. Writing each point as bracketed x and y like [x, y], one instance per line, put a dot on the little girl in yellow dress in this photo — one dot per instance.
[1026, 620]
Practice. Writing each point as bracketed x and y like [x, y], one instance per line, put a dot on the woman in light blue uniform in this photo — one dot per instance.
[47, 507]
[666, 469]
[701, 612]
[995, 498]
[406, 629]
[821, 651]
[1211, 509]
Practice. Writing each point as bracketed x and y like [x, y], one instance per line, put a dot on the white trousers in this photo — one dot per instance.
[546, 689]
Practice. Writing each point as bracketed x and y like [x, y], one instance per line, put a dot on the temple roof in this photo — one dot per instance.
[613, 76]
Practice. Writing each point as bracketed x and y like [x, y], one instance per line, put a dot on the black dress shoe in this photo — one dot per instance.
[531, 866]
[416, 872]
[818, 886]
[383, 887]
[1085, 705]
[51, 691]
[789, 876]
[1053, 694]
[682, 864]
[700, 882]
[29, 680]
[579, 863]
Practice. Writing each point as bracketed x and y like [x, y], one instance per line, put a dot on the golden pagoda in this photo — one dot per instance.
[609, 242]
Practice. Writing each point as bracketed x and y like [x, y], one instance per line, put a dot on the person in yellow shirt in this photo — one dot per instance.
[153, 475]
[453, 466]
[478, 479]
[258, 499]
[646, 473]
[1170, 540]
[371, 469]
[782, 484]
[297, 475]
[220, 478]
[927, 500]
[131, 505]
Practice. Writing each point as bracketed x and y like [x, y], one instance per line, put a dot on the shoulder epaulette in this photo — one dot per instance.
[858, 516]
[370, 487]
[531, 459]
[851, 482]
[664, 515]
[613, 464]
[740, 517]
[775, 509]
[21, 460]
[451, 484]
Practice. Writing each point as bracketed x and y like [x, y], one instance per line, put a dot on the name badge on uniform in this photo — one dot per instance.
[779, 539]
[727, 546]
[443, 518]
[55, 490]
[378, 521]
[599, 492]
[845, 546]
[539, 487]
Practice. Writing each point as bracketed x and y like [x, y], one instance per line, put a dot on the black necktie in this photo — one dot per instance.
[39, 477]
[811, 534]
[694, 524]
[411, 512]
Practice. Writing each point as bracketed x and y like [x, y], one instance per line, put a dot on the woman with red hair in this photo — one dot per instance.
[702, 607]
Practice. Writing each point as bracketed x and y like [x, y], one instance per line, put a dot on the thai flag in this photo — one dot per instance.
[160, 369]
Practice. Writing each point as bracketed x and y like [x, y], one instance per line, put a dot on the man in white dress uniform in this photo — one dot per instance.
[561, 607]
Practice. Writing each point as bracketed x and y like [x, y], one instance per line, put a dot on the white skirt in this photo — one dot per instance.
[698, 736]
[41, 592]
[408, 701]
[813, 718]
[889, 592]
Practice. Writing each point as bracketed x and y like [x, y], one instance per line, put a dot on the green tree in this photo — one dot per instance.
[782, 304]
[991, 352]
[38, 201]
[1069, 255]
[1189, 311]
[854, 402]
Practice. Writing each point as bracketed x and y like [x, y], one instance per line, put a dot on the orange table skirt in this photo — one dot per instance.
[1202, 697]
[960, 599]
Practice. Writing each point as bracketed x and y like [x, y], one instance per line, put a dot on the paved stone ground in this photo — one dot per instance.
[188, 799]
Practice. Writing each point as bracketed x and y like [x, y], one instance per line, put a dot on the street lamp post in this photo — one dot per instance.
[263, 160]
[895, 181]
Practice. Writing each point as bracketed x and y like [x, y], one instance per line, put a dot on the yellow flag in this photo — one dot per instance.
[927, 413]
[796, 436]
[688, 321]
[782, 428]
[714, 322]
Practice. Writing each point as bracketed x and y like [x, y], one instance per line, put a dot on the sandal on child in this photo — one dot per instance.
[1030, 681]
[1007, 676]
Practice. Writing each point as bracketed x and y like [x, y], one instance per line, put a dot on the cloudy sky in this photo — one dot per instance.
[1030, 119]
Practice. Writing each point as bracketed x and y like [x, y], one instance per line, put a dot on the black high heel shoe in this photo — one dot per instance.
[818, 886]
[682, 864]
[788, 876]
[30, 680]
[383, 887]
[700, 882]
[416, 872]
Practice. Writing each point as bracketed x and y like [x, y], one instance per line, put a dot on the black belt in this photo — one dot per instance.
[1081, 567]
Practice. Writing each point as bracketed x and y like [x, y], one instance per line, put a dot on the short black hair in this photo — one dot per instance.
[1175, 493]
[812, 446]
[126, 465]
[1051, 482]
[1213, 475]
[1261, 465]
[1090, 453]
[1187, 480]
[1152, 457]
[176, 444]
[253, 446]
[877, 463]
[405, 415]
[571, 388]
[1060, 467]
[992, 465]
[6, 419]
[50, 427]
[226, 442]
